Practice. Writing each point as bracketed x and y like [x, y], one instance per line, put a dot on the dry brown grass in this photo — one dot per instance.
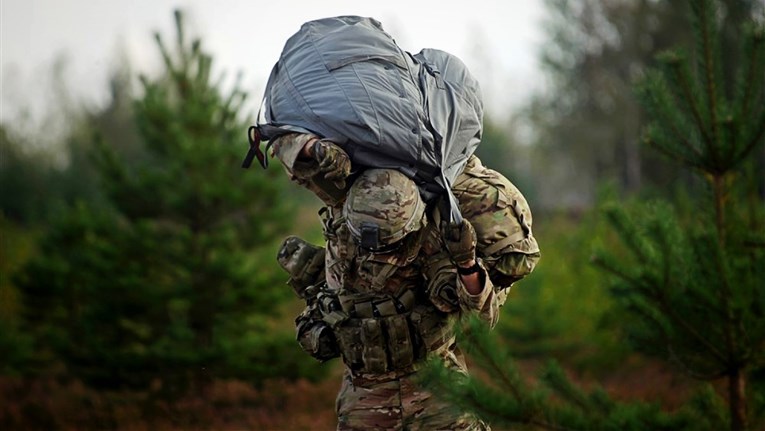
[45, 404]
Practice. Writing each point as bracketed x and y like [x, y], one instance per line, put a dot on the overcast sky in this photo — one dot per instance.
[497, 39]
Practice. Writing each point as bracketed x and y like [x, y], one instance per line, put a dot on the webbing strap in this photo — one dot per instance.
[382, 277]
[500, 245]
[521, 218]
[334, 318]
[377, 306]
[254, 137]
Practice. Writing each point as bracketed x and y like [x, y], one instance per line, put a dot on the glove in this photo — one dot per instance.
[334, 163]
[460, 241]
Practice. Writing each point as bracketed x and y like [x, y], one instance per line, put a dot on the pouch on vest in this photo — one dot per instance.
[350, 342]
[373, 351]
[399, 341]
[316, 338]
[436, 329]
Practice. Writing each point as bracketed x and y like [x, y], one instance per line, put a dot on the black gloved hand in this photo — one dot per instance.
[334, 163]
[460, 240]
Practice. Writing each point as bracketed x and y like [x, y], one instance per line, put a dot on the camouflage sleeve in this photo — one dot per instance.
[305, 172]
[486, 303]
[502, 220]
[445, 289]
[288, 147]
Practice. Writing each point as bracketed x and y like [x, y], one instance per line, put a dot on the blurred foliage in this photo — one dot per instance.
[16, 247]
[587, 121]
[504, 150]
[688, 287]
[678, 277]
[160, 274]
[508, 399]
[562, 310]
[25, 177]
[142, 256]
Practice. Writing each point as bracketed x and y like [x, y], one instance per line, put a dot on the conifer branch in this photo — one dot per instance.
[659, 297]
[677, 65]
[708, 62]
[687, 144]
[488, 359]
[180, 36]
[689, 370]
[669, 312]
[752, 93]
[652, 91]
[757, 138]
[166, 56]
[752, 59]
[600, 262]
[732, 138]
[555, 378]
[687, 161]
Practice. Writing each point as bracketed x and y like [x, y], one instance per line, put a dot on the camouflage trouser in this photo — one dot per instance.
[396, 404]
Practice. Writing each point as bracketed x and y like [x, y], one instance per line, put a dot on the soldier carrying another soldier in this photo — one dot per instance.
[393, 280]
[418, 232]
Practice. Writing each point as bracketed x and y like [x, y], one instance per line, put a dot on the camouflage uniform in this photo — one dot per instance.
[385, 312]
[502, 220]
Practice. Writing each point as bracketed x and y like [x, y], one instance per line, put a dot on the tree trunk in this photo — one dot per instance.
[737, 400]
[632, 161]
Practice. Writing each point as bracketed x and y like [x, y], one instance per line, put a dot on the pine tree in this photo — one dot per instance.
[691, 283]
[588, 121]
[176, 282]
[506, 398]
[694, 283]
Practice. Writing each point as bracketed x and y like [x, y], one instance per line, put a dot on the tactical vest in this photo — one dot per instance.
[377, 304]
[387, 312]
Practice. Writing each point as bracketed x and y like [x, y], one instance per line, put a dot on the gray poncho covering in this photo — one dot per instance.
[345, 80]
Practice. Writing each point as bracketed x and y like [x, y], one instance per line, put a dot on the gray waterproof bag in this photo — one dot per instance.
[345, 80]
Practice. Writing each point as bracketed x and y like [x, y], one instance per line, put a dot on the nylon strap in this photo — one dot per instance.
[500, 245]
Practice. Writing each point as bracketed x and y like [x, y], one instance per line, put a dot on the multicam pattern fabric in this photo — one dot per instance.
[396, 404]
[387, 199]
[306, 173]
[304, 263]
[502, 220]
[395, 309]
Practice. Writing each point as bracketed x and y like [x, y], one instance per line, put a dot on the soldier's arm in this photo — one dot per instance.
[325, 175]
[476, 292]
[293, 148]
[502, 220]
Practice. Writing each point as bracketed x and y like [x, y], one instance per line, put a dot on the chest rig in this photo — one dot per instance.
[376, 303]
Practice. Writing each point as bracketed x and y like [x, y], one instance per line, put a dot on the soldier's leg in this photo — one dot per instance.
[372, 407]
[422, 411]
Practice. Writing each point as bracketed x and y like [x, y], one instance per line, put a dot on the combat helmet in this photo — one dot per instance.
[382, 207]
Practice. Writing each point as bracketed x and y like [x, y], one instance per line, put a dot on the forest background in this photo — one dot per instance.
[138, 285]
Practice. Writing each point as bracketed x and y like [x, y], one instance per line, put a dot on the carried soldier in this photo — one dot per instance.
[418, 232]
